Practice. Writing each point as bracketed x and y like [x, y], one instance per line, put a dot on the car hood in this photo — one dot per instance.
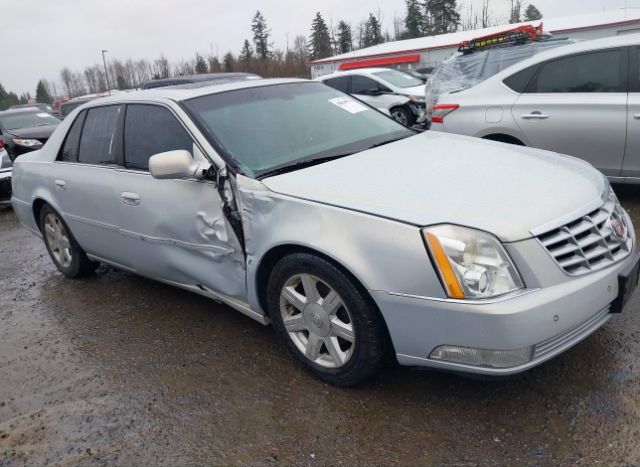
[37, 132]
[435, 178]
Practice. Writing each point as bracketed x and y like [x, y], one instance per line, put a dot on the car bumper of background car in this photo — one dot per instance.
[504, 336]
[5, 187]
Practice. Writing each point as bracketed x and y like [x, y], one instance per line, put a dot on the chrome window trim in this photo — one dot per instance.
[483, 301]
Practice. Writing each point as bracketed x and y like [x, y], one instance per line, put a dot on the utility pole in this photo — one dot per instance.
[106, 75]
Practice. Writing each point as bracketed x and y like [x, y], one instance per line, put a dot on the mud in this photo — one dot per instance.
[120, 370]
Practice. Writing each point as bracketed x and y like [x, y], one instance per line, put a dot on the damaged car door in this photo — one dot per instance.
[174, 228]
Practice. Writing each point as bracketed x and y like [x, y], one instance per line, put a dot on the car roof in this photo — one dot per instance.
[23, 110]
[197, 78]
[189, 91]
[570, 49]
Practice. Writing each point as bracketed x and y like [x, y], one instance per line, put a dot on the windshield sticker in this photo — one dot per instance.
[347, 104]
[43, 115]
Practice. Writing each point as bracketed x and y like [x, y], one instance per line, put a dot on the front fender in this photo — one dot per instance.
[382, 254]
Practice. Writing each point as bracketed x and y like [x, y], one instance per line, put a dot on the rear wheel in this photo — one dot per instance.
[403, 115]
[65, 252]
[325, 320]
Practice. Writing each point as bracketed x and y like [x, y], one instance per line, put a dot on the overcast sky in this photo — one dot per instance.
[39, 37]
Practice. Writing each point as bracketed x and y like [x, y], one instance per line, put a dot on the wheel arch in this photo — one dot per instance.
[504, 138]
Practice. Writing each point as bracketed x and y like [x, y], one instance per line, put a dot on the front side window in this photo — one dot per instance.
[363, 85]
[590, 72]
[149, 130]
[341, 84]
[98, 141]
[268, 127]
[71, 144]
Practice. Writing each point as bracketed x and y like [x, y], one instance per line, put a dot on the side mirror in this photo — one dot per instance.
[173, 165]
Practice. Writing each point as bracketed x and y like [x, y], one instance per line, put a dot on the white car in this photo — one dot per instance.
[394, 92]
[581, 99]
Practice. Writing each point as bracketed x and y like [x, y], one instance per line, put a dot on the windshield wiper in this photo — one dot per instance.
[388, 141]
[302, 164]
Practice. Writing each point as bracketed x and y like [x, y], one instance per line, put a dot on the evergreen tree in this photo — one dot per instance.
[121, 82]
[201, 64]
[516, 10]
[247, 52]
[372, 32]
[214, 65]
[229, 62]
[532, 13]
[320, 40]
[414, 20]
[345, 38]
[443, 16]
[42, 95]
[261, 36]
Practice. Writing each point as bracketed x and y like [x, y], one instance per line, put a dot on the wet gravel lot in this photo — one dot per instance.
[120, 370]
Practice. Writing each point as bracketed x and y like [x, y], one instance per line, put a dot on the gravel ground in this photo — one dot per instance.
[120, 370]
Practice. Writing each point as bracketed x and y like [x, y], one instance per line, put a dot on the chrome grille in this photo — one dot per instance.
[591, 242]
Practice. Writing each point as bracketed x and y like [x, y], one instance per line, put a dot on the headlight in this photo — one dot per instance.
[27, 142]
[471, 264]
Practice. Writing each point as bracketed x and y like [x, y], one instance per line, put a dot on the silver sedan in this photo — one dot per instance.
[355, 237]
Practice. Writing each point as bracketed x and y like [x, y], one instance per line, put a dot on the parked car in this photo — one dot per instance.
[355, 236]
[201, 78]
[69, 106]
[397, 91]
[581, 99]
[55, 105]
[38, 105]
[25, 130]
[5, 178]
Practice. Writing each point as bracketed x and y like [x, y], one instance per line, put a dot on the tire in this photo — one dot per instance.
[342, 342]
[403, 116]
[63, 248]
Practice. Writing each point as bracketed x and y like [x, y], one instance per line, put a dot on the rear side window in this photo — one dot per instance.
[591, 72]
[341, 84]
[71, 145]
[149, 130]
[98, 141]
[519, 81]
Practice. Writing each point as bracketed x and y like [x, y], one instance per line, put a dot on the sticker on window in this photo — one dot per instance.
[43, 115]
[348, 104]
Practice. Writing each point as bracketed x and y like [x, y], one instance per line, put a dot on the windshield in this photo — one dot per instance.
[398, 78]
[268, 127]
[27, 120]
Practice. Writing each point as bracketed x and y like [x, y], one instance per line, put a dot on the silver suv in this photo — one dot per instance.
[582, 99]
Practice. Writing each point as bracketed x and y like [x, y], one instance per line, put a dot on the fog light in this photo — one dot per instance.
[482, 357]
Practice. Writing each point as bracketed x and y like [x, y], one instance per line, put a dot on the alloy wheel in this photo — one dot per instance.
[58, 240]
[317, 321]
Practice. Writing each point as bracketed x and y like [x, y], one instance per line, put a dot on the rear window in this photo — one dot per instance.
[98, 140]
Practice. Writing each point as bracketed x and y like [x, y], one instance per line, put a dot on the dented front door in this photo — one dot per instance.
[176, 231]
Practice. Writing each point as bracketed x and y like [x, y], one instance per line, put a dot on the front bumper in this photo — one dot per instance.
[549, 320]
[5, 187]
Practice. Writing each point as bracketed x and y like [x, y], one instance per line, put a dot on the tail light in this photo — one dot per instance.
[442, 110]
[1, 143]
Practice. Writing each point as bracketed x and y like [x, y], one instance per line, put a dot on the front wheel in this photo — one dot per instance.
[325, 320]
[403, 115]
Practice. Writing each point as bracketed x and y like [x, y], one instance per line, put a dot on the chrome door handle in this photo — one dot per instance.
[637, 116]
[535, 116]
[61, 184]
[132, 199]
